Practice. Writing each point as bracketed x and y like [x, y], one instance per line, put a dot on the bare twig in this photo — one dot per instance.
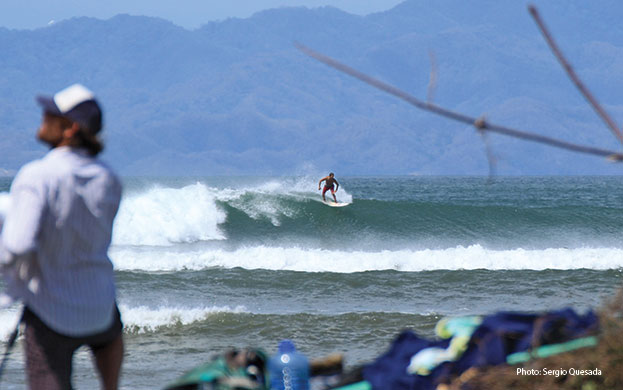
[573, 76]
[432, 82]
[479, 123]
[491, 159]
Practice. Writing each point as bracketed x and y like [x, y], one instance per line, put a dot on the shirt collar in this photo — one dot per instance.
[64, 150]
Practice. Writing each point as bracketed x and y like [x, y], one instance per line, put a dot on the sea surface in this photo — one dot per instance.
[205, 264]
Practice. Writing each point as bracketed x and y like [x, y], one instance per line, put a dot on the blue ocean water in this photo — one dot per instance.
[204, 264]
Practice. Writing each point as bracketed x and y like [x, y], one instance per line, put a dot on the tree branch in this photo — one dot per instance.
[479, 123]
[573, 76]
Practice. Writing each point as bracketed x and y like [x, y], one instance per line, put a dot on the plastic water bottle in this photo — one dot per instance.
[288, 369]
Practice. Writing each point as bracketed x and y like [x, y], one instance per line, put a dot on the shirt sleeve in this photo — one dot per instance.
[23, 219]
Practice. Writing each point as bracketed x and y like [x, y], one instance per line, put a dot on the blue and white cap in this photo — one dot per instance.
[76, 103]
[286, 346]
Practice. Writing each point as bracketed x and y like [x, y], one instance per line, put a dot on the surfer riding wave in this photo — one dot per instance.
[329, 182]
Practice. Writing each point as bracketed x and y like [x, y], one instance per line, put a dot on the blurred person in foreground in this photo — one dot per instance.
[54, 246]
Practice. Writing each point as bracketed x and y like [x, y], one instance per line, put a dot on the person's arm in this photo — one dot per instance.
[22, 223]
[337, 185]
[321, 180]
[19, 239]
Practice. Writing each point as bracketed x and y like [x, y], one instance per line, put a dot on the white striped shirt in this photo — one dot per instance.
[56, 236]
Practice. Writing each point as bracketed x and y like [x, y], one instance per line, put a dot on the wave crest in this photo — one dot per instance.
[164, 216]
[405, 260]
[142, 319]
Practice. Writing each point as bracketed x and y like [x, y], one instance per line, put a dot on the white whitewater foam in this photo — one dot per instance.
[319, 260]
[160, 216]
[140, 318]
[264, 205]
[147, 319]
[163, 216]
[268, 197]
[8, 321]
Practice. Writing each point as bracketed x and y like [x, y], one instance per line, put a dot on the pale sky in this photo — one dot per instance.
[29, 14]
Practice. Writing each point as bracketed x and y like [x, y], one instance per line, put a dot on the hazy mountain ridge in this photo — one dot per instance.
[236, 97]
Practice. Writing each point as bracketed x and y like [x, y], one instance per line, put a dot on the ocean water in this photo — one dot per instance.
[205, 264]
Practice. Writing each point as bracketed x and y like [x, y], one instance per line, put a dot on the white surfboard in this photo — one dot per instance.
[333, 204]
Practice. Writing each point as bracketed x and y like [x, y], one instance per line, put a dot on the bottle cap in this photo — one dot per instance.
[286, 346]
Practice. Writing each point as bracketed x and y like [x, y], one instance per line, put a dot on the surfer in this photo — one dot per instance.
[329, 181]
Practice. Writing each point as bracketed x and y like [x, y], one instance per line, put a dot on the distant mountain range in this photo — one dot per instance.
[237, 97]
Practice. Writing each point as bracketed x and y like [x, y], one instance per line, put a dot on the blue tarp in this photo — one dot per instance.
[496, 337]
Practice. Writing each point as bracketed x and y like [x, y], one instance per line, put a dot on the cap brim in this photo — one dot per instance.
[48, 105]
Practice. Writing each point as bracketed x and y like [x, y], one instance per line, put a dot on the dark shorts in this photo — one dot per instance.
[327, 188]
[49, 354]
